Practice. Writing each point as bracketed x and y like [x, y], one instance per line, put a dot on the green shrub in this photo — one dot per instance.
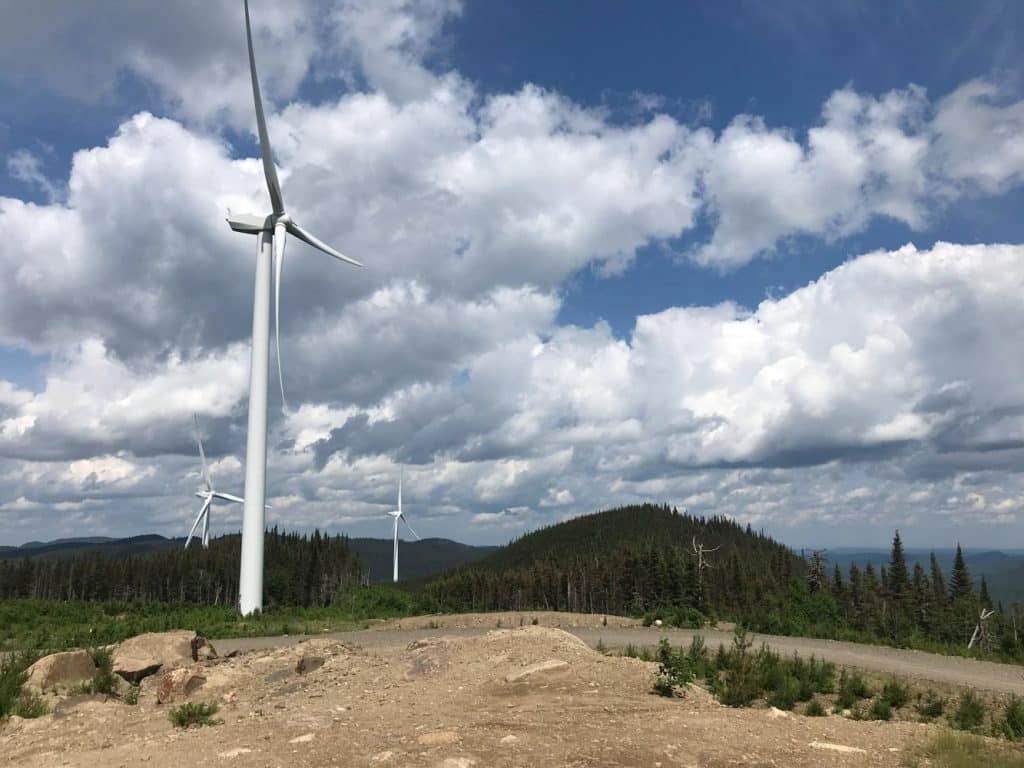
[786, 694]
[895, 694]
[13, 668]
[970, 712]
[194, 713]
[930, 706]
[131, 696]
[663, 685]
[740, 687]
[852, 688]
[814, 709]
[880, 710]
[29, 705]
[601, 647]
[1012, 724]
[103, 681]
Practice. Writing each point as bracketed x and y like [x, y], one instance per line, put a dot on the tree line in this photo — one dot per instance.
[307, 570]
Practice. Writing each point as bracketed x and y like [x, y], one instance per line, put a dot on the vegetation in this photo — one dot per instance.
[895, 694]
[929, 706]
[103, 681]
[194, 714]
[814, 709]
[852, 688]
[1012, 724]
[969, 713]
[880, 710]
[13, 668]
[960, 750]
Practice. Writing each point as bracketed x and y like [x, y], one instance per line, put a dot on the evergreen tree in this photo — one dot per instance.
[960, 584]
[898, 576]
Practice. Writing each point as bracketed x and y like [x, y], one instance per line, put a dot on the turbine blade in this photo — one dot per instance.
[202, 512]
[320, 245]
[400, 474]
[279, 240]
[229, 497]
[409, 527]
[269, 171]
[202, 455]
[206, 529]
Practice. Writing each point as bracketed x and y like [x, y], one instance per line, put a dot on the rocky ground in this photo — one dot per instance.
[522, 696]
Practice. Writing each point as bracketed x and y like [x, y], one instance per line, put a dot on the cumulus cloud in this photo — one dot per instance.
[472, 211]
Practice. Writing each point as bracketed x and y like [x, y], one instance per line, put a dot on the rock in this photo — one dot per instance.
[458, 762]
[202, 650]
[178, 684]
[438, 738]
[540, 669]
[82, 701]
[777, 713]
[143, 655]
[237, 751]
[382, 757]
[60, 671]
[657, 622]
[510, 739]
[308, 664]
[303, 739]
[836, 747]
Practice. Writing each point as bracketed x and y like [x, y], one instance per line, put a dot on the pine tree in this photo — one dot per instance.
[960, 584]
[898, 577]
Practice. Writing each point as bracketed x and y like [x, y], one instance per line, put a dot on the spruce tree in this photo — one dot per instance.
[960, 584]
[898, 576]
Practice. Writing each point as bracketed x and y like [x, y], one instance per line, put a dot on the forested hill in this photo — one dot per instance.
[629, 560]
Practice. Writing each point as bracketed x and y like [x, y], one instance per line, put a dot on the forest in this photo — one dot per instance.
[643, 560]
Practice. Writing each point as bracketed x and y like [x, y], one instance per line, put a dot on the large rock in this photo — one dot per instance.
[143, 655]
[178, 684]
[60, 671]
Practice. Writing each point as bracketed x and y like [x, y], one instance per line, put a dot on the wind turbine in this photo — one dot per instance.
[207, 494]
[271, 231]
[397, 514]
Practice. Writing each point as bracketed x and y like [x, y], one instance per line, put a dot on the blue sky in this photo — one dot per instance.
[606, 264]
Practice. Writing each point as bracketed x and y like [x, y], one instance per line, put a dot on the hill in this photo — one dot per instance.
[632, 559]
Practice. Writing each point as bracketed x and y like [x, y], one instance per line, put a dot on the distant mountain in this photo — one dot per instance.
[417, 559]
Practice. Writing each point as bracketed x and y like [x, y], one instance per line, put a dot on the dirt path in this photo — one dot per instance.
[949, 670]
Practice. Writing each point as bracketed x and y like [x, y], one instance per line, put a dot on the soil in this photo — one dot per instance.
[443, 701]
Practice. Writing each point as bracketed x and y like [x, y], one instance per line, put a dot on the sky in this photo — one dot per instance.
[763, 260]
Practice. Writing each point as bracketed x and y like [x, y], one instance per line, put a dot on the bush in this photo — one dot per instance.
[103, 681]
[930, 706]
[740, 687]
[194, 713]
[852, 688]
[814, 709]
[13, 668]
[1012, 724]
[786, 694]
[131, 696]
[970, 712]
[29, 705]
[880, 710]
[895, 694]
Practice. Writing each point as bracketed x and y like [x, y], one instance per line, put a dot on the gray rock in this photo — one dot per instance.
[549, 668]
[308, 664]
[143, 655]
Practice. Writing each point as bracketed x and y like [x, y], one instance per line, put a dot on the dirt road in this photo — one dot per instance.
[951, 670]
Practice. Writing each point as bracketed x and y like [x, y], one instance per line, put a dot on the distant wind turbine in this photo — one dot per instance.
[271, 231]
[398, 515]
[207, 494]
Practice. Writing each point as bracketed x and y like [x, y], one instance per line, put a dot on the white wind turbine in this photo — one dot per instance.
[398, 515]
[271, 231]
[207, 494]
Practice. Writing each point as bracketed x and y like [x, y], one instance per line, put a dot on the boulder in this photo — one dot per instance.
[60, 671]
[178, 684]
[143, 655]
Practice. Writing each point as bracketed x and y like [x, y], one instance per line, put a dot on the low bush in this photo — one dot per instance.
[194, 714]
[969, 713]
[895, 694]
[880, 710]
[786, 694]
[13, 668]
[814, 709]
[1011, 725]
[929, 706]
[29, 705]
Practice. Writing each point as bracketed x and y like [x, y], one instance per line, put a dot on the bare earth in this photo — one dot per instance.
[444, 701]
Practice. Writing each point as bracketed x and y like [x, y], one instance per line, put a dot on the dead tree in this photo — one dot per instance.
[980, 635]
[699, 551]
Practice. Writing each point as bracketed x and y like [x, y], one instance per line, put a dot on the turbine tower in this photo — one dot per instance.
[397, 514]
[270, 231]
[207, 494]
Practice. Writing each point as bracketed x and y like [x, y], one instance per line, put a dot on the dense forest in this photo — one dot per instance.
[649, 560]
[302, 570]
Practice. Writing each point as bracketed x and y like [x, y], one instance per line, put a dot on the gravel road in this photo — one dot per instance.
[952, 670]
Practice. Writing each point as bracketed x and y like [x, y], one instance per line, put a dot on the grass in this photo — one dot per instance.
[1011, 726]
[961, 750]
[194, 714]
[50, 625]
[103, 681]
